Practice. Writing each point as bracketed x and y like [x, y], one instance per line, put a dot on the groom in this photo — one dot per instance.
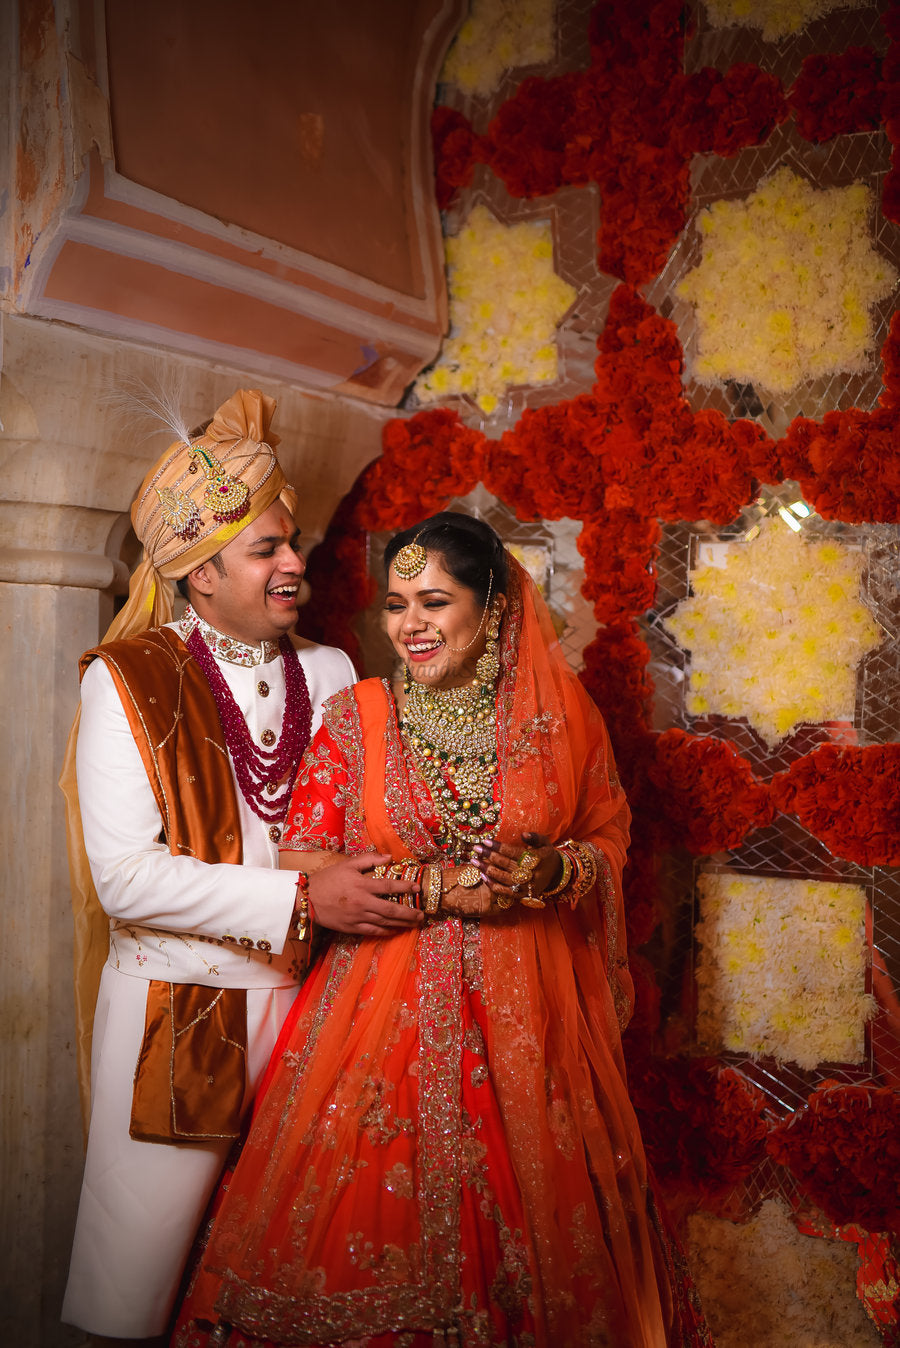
[189, 739]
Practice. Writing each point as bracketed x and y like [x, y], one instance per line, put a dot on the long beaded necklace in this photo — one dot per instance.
[259, 771]
[453, 734]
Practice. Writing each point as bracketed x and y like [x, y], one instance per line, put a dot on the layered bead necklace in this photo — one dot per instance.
[260, 771]
[453, 734]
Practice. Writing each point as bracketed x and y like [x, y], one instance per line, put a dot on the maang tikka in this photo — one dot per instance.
[411, 560]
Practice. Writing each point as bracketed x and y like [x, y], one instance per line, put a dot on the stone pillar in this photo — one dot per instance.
[44, 624]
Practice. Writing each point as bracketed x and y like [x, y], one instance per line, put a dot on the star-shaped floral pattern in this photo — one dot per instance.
[505, 304]
[786, 284]
[776, 631]
[499, 35]
[774, 18]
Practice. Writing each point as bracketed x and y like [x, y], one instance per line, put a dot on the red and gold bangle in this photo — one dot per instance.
[585, 869]
[407, 869]
[302, 920]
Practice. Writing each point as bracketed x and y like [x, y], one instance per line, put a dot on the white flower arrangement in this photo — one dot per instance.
[786, 283]
[499, 35]
[774, 18]
[505, 304]
[764, 1284]
[776, 632]
[781, 969]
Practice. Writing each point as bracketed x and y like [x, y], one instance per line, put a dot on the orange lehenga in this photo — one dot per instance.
[444, 1151]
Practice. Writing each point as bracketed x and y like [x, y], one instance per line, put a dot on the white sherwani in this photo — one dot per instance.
[184, 921]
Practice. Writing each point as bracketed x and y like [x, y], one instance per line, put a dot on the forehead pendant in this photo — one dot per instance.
[410, 560]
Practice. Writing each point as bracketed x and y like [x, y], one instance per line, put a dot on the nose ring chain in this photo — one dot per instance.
[458, 650]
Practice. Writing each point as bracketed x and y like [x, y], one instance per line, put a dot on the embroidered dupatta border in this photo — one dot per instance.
[434, 1302]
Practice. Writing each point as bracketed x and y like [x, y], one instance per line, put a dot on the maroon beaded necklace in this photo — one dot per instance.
[258, 771]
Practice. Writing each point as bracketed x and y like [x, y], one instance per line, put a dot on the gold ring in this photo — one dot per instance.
[520, 876]
[528, 861]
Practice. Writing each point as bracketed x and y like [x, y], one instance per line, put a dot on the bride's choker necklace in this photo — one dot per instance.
[453, 734]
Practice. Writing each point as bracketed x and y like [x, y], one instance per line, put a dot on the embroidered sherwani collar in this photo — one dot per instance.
[226, 648]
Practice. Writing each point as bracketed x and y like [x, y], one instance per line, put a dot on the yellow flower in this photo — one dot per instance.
[439, 380]
[499, 35]
[768, 311]
[505, 304]
[767, 641]
[809, 938]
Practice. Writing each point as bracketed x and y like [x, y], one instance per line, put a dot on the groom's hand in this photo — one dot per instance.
[347, 897]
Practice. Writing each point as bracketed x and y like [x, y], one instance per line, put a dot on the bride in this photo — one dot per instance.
[445, 1151]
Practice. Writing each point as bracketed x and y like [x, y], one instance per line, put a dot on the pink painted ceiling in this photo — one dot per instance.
[263, 194]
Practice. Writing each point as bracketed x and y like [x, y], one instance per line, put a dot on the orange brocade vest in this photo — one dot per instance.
[175, 724]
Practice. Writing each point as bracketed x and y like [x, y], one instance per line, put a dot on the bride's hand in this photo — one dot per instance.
[501, 866]
[463, 902]
[347, 897]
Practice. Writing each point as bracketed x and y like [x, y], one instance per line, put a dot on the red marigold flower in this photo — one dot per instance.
[722, 114]
[844, 1151]
[457, 149]
[849, 798]
[708, 796]
[837, 95]
[703, 1125]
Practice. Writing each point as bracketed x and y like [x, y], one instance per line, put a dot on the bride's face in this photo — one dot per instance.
[429, 614]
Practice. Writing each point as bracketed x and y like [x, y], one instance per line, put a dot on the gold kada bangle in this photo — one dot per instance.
[565, 881]
[432, 884]
[585, 868]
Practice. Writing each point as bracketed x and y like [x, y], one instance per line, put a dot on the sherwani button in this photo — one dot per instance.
[264, 945]
[247, 942]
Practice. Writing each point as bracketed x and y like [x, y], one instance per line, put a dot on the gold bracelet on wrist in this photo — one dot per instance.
[432, 887]
[407, 869]
[301, 919]
[567, 871]
[584, 866]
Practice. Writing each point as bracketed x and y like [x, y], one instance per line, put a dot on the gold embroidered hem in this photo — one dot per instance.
[428, 1148]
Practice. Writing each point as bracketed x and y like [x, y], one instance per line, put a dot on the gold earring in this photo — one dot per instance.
[487, 666]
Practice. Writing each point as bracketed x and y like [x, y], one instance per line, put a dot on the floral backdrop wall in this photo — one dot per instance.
[673, 382]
